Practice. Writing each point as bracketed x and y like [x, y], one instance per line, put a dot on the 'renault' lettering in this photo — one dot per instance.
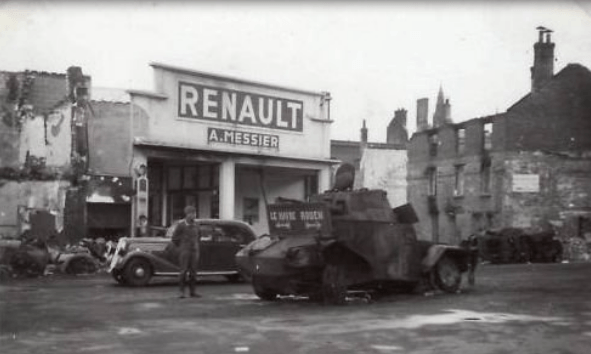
[202, 102]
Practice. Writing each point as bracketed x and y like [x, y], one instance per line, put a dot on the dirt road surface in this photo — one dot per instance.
[538, 308]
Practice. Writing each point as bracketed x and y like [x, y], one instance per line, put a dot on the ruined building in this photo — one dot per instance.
[529, 167]
[47, 162]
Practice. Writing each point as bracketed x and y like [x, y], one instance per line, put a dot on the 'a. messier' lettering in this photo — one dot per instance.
[234, 137]
[223, 105]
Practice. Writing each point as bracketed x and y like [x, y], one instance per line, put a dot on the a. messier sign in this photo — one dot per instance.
[231, 106]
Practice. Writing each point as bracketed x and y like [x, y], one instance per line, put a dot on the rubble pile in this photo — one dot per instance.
[32, 257]
[576, 249]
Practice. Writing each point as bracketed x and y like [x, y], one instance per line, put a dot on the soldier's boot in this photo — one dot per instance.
[182, 289]
[192, 292]
[471, 279]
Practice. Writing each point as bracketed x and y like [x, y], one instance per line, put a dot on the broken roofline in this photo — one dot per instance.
[484, 119]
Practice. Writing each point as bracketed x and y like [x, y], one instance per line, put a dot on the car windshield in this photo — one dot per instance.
[216, 232]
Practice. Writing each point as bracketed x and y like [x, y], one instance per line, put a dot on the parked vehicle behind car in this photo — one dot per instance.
[137, 259]
[517, 245]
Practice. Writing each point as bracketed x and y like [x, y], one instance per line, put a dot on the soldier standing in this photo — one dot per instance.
[472, 247]
[186, 237]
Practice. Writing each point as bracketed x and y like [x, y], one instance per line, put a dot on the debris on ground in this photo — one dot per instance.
[32, 257]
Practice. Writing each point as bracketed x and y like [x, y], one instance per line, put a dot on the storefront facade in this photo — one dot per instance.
[225, 145]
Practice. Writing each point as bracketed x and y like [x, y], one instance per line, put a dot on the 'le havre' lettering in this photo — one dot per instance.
[202, 102]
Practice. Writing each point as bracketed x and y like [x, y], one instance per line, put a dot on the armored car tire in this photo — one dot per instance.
[263, 292]
[447, 275]
[334, 287]
[137, 272]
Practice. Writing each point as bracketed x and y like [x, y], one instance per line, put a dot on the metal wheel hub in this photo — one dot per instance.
[140, 272]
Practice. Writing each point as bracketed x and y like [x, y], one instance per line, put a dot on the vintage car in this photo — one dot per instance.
[137, 259]
[343, 242]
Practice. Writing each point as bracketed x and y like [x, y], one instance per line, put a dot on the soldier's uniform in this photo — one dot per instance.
[474, 255]
[186, 237]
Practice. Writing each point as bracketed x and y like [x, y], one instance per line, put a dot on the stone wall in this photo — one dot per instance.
[564, 184]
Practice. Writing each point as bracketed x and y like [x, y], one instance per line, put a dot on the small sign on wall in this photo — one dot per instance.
[526, 183]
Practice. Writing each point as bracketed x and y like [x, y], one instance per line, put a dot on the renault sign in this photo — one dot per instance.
[225, 105]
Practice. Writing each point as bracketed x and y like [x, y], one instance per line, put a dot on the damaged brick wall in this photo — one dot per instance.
[450, 215]
[41, 195]
[35, 141]
[564, 184]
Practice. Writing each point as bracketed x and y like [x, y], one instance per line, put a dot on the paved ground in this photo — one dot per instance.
[542, 308]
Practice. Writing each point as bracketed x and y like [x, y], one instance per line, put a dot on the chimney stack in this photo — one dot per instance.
[447, 112]
[422, 114]
[364, 133]
[400, 117]
[397, 133]
[543, 68]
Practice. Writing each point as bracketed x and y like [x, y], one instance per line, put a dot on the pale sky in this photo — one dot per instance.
[373, 57]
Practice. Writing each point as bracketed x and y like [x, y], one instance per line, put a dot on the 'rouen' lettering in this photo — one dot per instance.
[223, 105]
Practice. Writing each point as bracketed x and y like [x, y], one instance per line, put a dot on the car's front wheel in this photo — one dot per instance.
[138, 272]
[447, 275]
[263, 292]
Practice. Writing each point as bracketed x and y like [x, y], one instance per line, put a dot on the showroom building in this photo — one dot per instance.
[226, 145]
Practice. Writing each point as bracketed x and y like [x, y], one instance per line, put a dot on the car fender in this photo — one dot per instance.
[156, 262]
[436, 252]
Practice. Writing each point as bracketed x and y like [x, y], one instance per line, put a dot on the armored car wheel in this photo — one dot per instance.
[262, 292]
[138, 272]
[334, 288]
[447, 275]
